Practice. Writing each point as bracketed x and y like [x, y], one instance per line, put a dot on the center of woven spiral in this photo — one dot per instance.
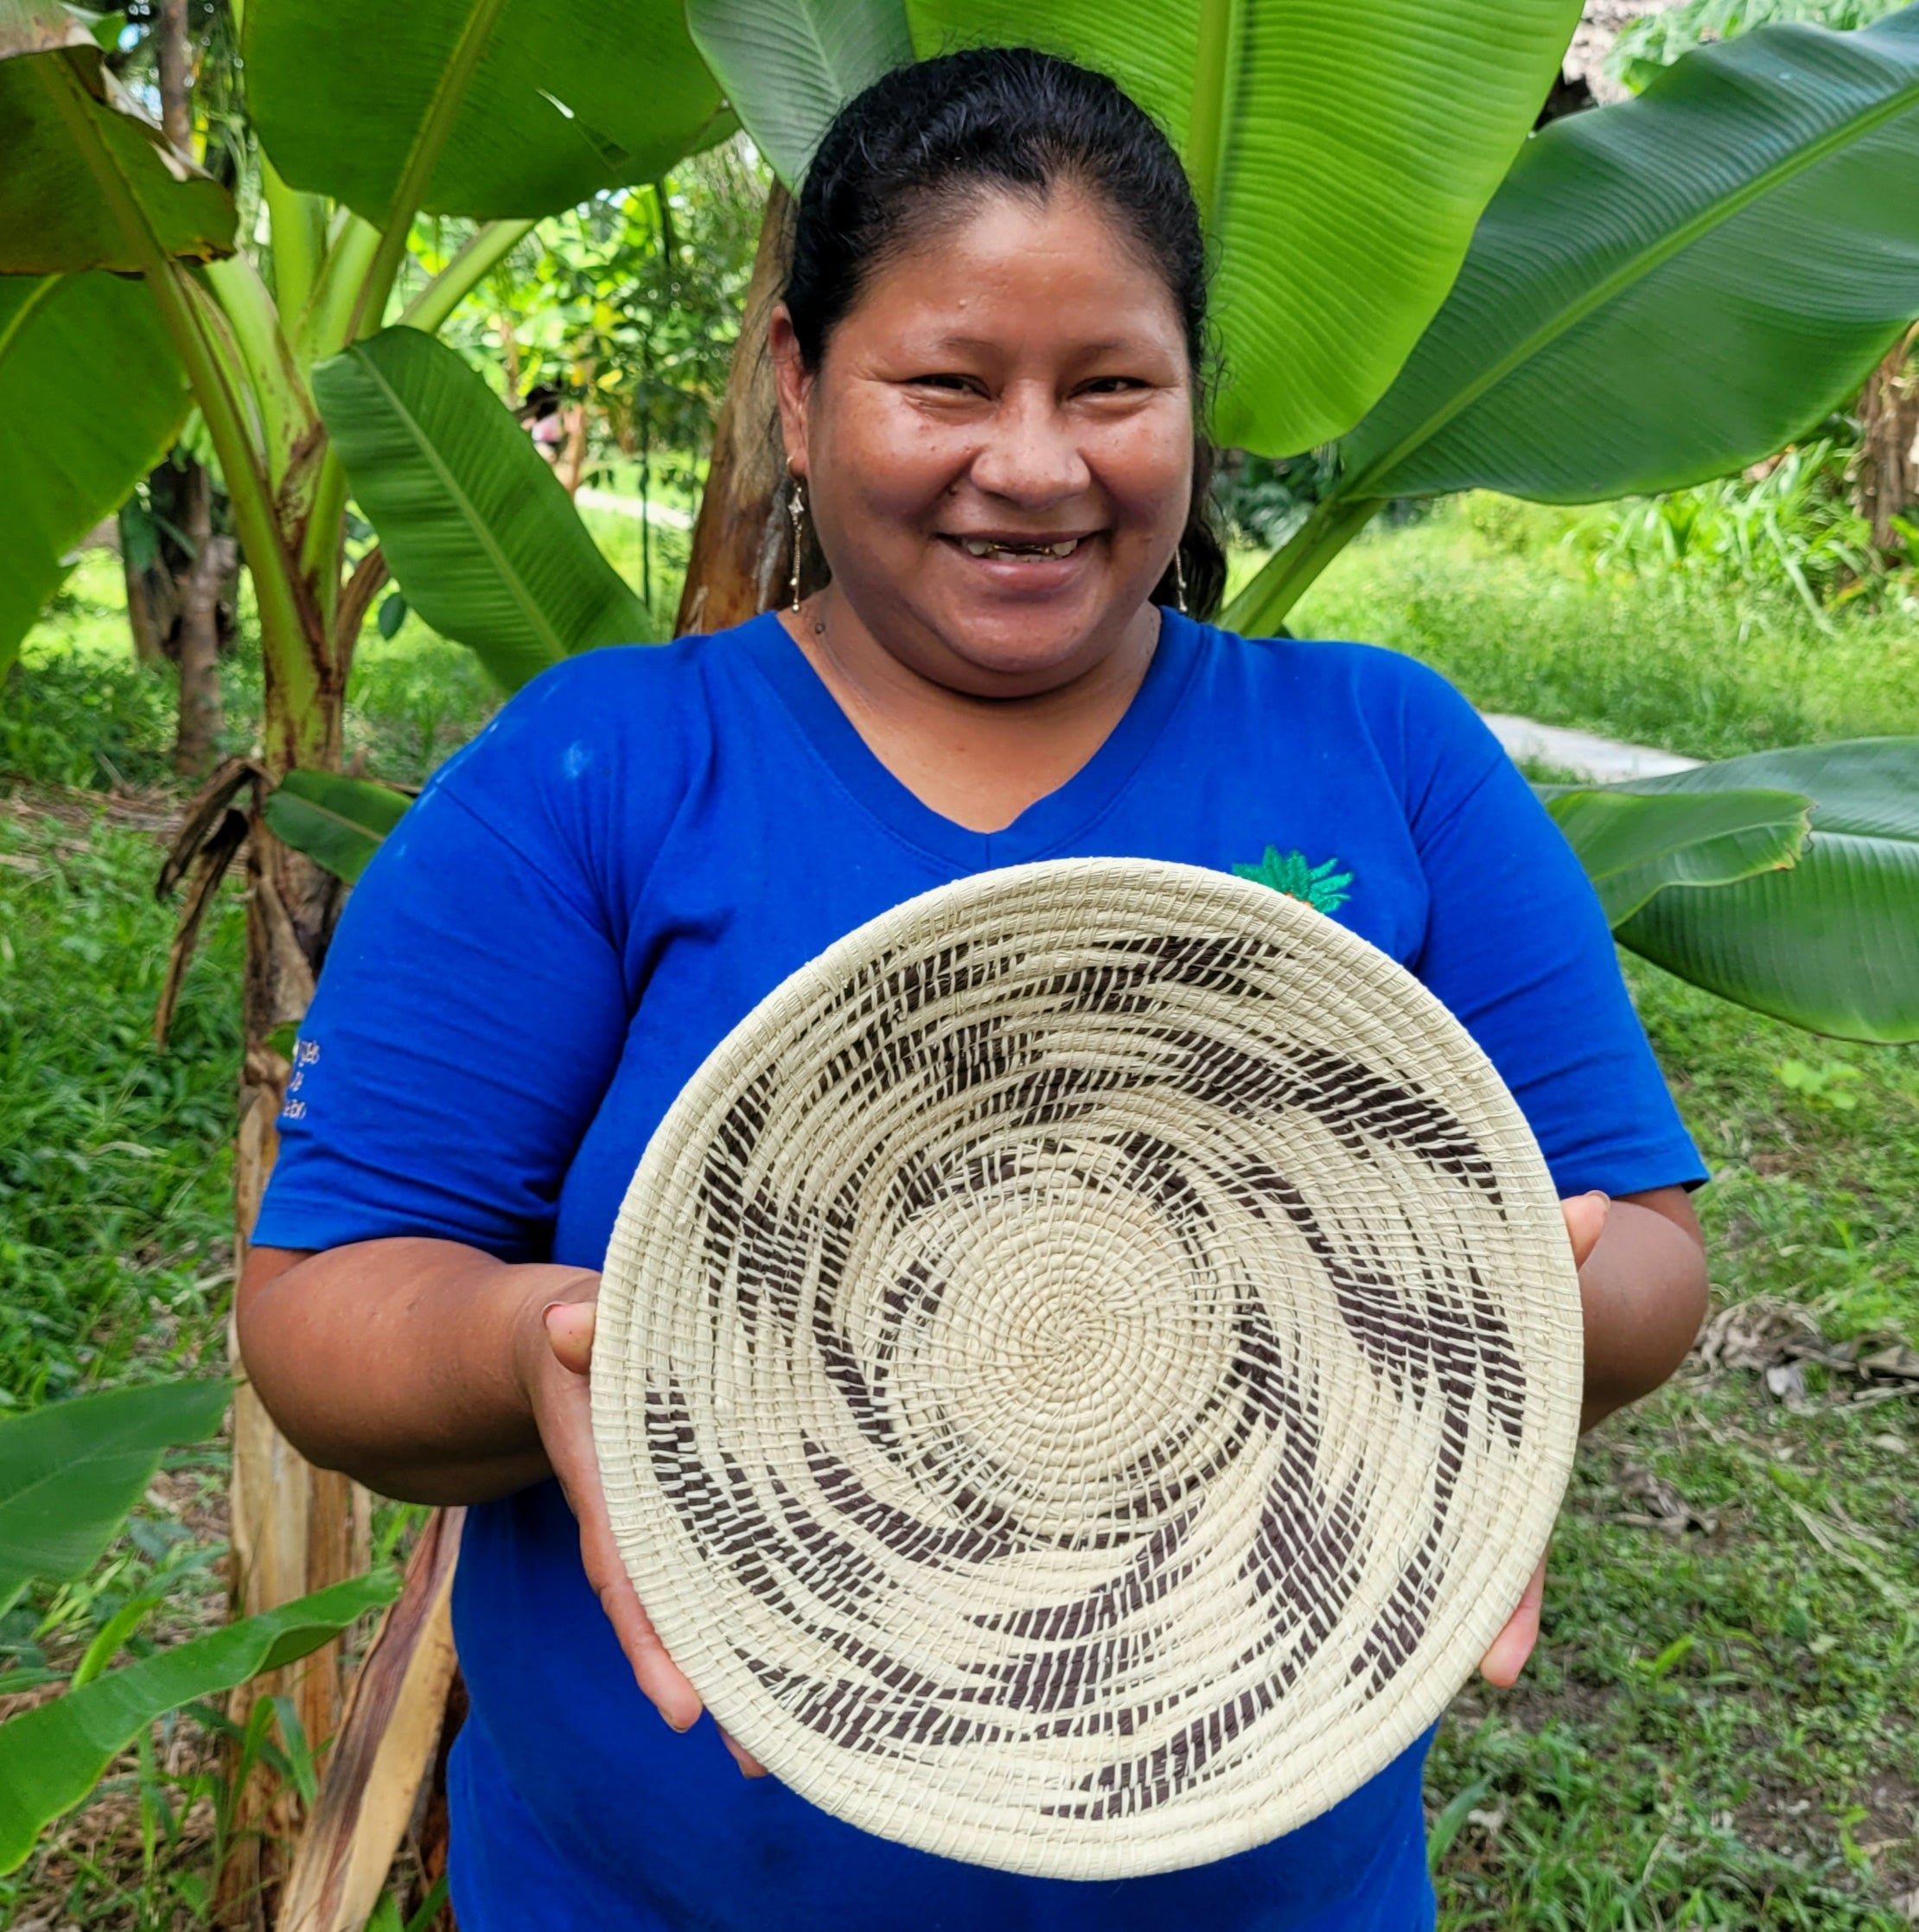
[1064, 1334]
[1074, 1344]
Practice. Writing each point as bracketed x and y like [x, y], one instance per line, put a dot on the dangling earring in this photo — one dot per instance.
[1179, 581]
[796, 509]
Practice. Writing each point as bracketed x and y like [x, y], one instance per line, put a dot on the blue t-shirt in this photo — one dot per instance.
[585, 900]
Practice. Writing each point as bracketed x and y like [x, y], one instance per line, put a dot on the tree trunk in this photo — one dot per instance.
[183, 596]
[388, 1745]
[572, 461]
[1885, 475]
[741, 550]
[143, 619]
[175, 58]
[211, 559]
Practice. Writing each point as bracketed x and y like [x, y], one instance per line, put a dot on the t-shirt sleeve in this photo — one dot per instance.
[470, 1014]
[1517, 946]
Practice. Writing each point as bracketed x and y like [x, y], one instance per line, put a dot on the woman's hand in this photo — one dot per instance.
[554, 1372]
[1585, 1221]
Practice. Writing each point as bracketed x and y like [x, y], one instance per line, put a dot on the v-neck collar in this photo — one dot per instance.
[1048, 823]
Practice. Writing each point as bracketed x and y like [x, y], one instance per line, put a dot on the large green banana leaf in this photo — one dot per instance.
[788, 66]
[1833, 944]
[91, 395]
[69, 1471]
[1633, 842]
[480, 107]
[1670, 289]
[52, 1756]
[1341, 153]
[477, 530]
[76, 158]
[341, 822]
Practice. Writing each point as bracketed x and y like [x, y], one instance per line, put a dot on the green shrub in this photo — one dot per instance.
[1787, 527]
[1654, 40]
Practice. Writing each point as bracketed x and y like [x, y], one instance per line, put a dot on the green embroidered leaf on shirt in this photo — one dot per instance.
[1322, 886]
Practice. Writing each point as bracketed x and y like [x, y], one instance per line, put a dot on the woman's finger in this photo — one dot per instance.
[567, 1428]
[659, 1677]
[1502, 1664]
[749, 1765]
[569, 1327]
[1586, 1222]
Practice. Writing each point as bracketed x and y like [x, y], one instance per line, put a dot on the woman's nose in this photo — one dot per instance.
[1029, 454]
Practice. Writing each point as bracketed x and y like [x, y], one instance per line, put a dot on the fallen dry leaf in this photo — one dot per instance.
[1667, 1510]
[1776, 1339]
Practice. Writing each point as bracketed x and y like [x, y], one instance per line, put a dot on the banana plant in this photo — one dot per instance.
[1332, 251]
[500, 112]
[85, 368]
[70, 1471]
[1812, 857]
[1332, 254]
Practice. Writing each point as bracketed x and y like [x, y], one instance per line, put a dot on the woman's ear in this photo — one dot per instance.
[792, 382]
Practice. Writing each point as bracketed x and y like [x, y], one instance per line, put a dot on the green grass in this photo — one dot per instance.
[76, 710]
[115, 1207]
[618, 537]
[1485, 591]
[413, 700]
[115, 1252]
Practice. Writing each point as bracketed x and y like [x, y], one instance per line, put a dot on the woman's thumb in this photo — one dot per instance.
[570, 1329]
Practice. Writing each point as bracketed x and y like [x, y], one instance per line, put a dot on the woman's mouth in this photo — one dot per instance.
[1007, 546]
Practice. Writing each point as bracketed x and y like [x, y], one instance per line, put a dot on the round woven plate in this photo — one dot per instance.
[1086, 1367]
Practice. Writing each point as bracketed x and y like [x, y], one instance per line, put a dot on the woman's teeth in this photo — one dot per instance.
[984, 546]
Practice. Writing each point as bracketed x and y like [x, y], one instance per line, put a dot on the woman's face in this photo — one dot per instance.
[998, 444]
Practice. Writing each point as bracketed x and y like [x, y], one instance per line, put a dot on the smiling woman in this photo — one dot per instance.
[989, 358]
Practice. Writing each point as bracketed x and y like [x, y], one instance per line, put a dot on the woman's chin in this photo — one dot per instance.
[1029, 645]
[1012, 659]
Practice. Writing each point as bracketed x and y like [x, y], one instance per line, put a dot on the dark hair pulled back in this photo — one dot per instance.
[1008, 119]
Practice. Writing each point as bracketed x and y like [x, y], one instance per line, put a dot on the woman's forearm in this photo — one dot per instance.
[1644, 1291]
[402, 1361]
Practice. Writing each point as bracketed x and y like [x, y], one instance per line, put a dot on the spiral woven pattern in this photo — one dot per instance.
[1086, 1367]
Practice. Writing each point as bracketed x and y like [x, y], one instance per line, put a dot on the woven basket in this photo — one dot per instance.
[1086, 1367]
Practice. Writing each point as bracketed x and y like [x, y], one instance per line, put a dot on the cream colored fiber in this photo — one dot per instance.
[1086, 1367]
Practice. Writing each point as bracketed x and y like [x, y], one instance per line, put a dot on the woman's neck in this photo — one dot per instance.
[979, 761]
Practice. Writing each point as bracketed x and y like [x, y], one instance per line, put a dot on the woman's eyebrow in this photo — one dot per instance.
[987, 345]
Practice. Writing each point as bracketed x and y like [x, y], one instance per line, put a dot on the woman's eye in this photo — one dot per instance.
[1112, 385]
[962, 384]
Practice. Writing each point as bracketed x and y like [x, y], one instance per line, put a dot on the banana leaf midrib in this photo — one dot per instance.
[469, 510]
[18, 321]
[1653, 855]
